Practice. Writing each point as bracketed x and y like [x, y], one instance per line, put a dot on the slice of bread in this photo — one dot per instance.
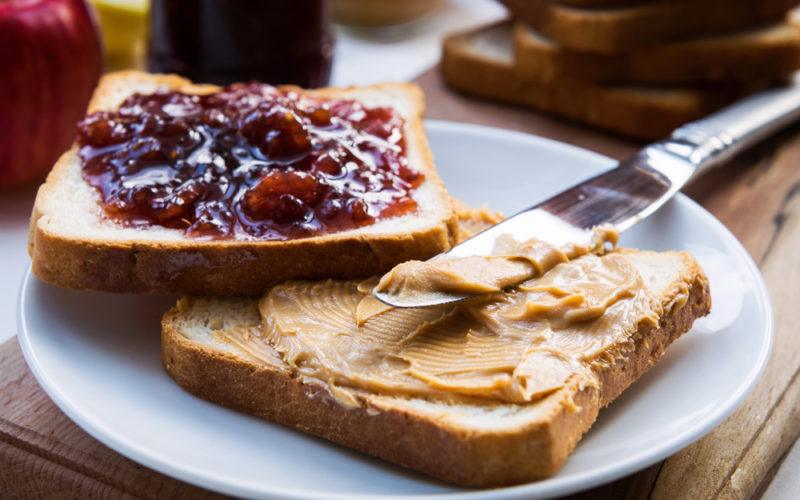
[481, 63]
[469, 444]
[72, 244]
[630, 27]
[764, 54]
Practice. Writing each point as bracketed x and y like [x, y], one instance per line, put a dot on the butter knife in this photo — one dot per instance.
[623, 196]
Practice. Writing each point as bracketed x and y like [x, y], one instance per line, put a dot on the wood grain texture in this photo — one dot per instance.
[764, 212]
[43, 454]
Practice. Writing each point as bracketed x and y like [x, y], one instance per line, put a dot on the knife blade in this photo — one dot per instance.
[623, 196]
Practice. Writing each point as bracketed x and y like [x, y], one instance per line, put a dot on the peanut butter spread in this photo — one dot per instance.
[513, 346]
[510, 264]
[472, 221]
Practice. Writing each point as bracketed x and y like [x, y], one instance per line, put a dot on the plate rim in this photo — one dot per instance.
[543, 488]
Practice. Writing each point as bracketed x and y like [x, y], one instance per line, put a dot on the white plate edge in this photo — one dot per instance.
[543, 488]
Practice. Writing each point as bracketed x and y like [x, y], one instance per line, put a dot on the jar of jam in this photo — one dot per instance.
[226, 41]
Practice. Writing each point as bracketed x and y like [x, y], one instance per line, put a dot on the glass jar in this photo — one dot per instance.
[226, 41]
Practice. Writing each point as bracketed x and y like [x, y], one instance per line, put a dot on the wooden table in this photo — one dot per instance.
[42, 453]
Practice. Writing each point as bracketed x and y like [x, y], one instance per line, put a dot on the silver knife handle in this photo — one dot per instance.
[724, 134]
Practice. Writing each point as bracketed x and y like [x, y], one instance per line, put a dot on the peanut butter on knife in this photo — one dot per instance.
[511, 263]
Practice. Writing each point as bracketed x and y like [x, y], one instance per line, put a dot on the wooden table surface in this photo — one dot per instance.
[43, 454]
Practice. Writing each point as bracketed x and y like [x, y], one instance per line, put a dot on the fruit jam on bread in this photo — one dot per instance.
[248, 160]
[175, 186]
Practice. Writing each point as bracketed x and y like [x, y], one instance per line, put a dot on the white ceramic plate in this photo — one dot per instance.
[97, 356]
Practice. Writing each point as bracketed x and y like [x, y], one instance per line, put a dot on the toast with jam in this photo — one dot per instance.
[178, 187]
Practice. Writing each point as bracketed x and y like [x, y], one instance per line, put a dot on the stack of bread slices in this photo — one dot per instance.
[636, 67]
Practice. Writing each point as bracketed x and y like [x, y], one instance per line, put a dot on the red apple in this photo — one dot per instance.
[50, 61]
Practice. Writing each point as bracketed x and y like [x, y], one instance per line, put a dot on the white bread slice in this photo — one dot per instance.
[73, 245]
[767, 53]
[481, 62]
[620, 28]
[465, 444]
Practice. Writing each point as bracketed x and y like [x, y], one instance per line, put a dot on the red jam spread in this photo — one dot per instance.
[248, 161]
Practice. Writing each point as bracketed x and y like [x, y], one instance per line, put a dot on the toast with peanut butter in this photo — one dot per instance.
[175, 186]
[494, 391]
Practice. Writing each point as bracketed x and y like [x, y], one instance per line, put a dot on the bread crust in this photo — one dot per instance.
[622, 28]
[226, 267]
[447, 451]
[768, 54]
[643, 115]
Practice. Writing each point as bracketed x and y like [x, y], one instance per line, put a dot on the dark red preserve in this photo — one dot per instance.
[250, 160]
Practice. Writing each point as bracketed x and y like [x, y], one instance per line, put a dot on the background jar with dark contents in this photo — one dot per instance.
[226, 41]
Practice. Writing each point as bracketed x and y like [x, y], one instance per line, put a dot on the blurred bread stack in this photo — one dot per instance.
[636, 67]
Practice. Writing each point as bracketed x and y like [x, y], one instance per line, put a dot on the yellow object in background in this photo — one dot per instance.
[123, 24]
